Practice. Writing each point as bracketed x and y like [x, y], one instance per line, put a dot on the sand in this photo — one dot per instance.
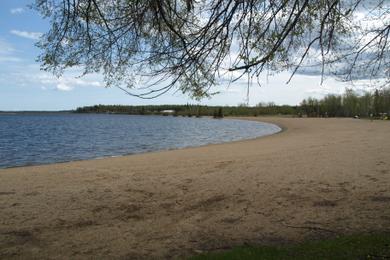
[318, 178]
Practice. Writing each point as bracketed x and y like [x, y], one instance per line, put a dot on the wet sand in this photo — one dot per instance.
[318, 178]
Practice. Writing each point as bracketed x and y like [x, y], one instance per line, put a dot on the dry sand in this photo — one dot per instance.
[318, 178]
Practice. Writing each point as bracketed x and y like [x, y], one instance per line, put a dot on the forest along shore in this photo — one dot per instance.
[318, 178]
[374, 105]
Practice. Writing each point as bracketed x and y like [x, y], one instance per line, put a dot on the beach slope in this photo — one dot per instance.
[318, 178]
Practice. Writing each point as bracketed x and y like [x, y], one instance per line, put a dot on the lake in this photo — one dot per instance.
[32, 139]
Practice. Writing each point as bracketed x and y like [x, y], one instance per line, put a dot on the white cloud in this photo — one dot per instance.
[273, 88]
[7, 52]
[28, 35]
[5, 47]
[18, 10]
[63, 87]
[29, 74]
[66, 82]
[9, 59]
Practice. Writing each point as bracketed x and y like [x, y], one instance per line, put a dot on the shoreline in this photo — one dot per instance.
[154, 151]
[317, 179]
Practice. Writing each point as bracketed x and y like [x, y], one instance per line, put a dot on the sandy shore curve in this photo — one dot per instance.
[317, 178]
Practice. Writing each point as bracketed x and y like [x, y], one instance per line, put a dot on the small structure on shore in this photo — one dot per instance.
[167, 112]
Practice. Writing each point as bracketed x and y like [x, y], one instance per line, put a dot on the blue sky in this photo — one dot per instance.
[23, 86]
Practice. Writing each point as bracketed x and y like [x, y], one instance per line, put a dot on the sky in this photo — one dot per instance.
[23, 86]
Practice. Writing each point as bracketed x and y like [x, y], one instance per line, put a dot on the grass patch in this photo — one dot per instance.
[367, 246]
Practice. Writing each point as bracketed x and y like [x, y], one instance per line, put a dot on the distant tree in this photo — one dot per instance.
[198, 112]
[386, 100]
[218, 113]
[310, 106]
[377, 102]
[365, 104]
[215, 114]
[350, 103]
[188, 44]
[332, 105]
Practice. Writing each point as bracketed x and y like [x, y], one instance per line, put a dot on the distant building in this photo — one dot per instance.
[167, 112]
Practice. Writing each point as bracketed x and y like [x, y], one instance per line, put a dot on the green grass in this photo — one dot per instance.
[368, 246]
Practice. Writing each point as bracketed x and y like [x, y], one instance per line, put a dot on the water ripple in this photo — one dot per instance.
[49, 138]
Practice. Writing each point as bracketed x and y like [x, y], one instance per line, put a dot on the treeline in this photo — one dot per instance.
[349, 104]
[192, 110]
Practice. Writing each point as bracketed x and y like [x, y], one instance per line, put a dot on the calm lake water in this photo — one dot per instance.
[49, 138]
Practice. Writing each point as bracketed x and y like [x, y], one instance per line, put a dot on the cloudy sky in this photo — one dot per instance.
[23, 86]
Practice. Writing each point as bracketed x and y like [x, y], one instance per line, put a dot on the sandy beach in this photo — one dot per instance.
[318, 178]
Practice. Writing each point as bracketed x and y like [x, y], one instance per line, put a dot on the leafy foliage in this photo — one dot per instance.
[147, 48]
[349, 104]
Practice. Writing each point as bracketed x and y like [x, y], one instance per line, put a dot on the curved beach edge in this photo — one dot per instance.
[322, 177]
[282, 128]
